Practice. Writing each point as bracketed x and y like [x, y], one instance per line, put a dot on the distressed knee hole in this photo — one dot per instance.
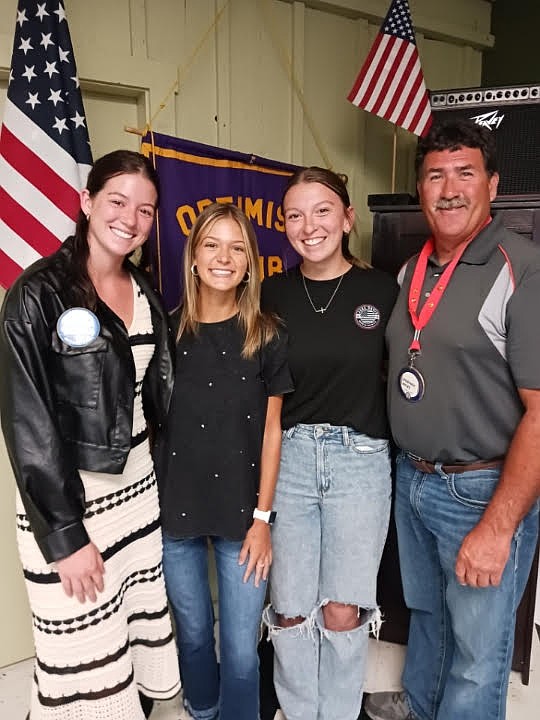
[281, 622]
[344, 617]
[286, 622]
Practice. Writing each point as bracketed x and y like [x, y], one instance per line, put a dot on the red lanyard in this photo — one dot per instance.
[420, 321]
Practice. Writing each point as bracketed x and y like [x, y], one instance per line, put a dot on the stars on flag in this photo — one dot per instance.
[43, 50]
[21, 17]
[391, 83]
[46, 40]
[41, 12]
[60, 124]
[28, 73]
[61, 13]
[78, 120]
[55, 97]
[33, 100]
[25, 45]
[50, 69]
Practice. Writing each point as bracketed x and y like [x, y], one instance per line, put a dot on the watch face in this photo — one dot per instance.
[272, 517]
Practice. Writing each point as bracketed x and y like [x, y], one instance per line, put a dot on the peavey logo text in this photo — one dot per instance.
[489, 120]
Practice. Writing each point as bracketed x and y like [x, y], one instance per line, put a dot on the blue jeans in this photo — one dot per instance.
[461, 638]
[333, 505]
[229, 690]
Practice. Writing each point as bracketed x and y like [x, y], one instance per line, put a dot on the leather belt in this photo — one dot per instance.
[429, 467]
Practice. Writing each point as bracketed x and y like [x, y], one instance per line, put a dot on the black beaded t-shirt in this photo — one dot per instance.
[210, 474]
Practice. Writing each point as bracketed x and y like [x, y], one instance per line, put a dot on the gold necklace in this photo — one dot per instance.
[321, 310]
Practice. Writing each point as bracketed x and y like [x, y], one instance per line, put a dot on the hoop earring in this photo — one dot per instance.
[247, 277]
[87, 217]
[193, 270]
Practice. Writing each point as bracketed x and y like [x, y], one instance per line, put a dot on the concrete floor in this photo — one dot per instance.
[384, 669]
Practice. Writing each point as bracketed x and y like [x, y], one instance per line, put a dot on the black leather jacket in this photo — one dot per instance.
[65, 408]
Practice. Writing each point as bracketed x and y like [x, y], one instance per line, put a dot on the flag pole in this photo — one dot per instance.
[394, 160]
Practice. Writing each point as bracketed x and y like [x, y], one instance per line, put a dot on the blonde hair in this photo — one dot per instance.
[259, 328]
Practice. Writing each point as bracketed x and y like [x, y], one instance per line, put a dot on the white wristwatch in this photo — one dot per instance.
[267, 516]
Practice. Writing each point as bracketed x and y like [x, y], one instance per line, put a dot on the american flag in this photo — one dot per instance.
[391, 83]
[44, 147]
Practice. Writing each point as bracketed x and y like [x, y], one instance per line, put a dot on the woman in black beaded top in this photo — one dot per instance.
[221, 462]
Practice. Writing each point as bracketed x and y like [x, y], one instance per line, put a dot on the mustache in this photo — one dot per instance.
[451, 204]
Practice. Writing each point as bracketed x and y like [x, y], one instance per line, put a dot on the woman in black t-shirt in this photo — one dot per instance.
[221, 463]
[333, 494]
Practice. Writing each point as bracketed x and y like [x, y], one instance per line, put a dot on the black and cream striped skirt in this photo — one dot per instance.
[93, 659]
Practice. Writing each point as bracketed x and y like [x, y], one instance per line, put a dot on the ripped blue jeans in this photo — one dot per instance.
[333, 505]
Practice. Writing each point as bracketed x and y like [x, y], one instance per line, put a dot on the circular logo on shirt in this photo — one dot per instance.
[78, 327]
[367, 317]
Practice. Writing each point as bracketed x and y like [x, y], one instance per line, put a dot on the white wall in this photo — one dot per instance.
[235, 91]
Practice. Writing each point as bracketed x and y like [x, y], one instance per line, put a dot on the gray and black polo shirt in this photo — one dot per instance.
[481, 344]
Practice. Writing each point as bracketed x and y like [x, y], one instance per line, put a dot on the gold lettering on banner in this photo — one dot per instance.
[275, 265]
[269, 211]
[279, 225]
[270, 265]
[181, 213]
[254, 210]
[264, 213]
[201, 204]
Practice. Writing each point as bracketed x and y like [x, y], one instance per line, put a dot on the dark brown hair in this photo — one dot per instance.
[455, 134]
[118, 162]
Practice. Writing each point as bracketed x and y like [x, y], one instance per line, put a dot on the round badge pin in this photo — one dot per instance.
[78, 327]
[367, 316]
[411, 384]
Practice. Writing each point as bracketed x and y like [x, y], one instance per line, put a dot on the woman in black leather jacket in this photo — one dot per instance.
[87, 367]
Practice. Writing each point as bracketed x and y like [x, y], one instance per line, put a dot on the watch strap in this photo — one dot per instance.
[267, 516]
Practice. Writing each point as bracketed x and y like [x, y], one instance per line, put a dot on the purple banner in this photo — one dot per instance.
[192, 176]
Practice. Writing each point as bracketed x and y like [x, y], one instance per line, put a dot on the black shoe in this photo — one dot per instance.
[147, 704]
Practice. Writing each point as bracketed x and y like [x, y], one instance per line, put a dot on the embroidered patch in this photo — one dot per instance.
[367, 317]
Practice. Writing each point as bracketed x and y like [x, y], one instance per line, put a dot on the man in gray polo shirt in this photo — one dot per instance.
[464, 405]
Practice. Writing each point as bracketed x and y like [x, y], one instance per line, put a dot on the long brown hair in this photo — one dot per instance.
[337, 183]
[118, 162]
[259, 328]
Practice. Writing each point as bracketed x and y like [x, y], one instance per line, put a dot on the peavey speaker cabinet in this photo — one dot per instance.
[513, 114]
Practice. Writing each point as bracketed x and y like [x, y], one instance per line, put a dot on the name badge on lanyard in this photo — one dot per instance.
[411, 383]
[78, 327]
